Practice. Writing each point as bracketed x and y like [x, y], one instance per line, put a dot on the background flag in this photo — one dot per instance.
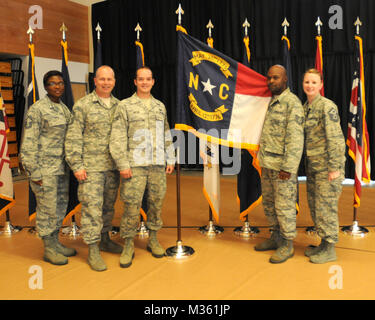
[249, 190]
[140, 62]
[209, 152]
[6, 180]
[286, 61]
[319, 59]
[358, 138]
[140, 57]
[288, 66]
[73, 204]
[32, 97]
[98, 57]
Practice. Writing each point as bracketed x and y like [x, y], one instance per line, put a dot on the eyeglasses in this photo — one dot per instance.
[55, 84]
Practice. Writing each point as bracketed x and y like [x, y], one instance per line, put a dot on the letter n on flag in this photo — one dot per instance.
[358, 137]
[218, 98]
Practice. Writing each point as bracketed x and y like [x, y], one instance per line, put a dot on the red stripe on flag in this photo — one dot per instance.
[251, 83]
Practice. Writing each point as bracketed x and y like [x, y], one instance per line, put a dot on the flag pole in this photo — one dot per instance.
[355, 229]
[179, 251]
[142, 231]
[246, 231]
[73, 231]
[210, 230]
[311, 229]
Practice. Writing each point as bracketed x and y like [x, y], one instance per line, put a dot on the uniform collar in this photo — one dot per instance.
[280, 97]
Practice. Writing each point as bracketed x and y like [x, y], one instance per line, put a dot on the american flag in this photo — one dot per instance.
[6, 182]
[358, 138]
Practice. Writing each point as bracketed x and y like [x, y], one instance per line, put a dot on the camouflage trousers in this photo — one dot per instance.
[51, 203]
[131, 193]
[279, 202]
[323, 197]
[97, 195]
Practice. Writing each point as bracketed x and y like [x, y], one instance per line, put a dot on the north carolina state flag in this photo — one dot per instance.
[217, 93]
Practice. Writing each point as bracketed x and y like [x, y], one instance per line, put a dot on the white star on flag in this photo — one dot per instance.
[208, 86]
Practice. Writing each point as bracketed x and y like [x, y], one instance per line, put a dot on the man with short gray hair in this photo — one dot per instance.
[87, 153]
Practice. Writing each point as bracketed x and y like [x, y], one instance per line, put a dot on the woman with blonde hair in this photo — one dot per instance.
[325, 165]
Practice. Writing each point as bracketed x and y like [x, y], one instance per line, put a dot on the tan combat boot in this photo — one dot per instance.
[312, 250]
[67, 252]
[327, 254]
[127, 254]
[51, 254]
[283, 252]
[106, 244]
[269, 244]
[94, 259]
[154, 246]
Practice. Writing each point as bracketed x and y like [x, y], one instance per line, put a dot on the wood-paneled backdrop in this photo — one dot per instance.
[14, 22]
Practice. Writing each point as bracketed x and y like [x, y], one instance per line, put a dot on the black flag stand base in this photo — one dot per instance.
[211, 230]
[246, 231]
[8, 230]
[72, 231]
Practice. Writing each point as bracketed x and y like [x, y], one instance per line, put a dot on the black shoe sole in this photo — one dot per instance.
[155, 255]
[281, 261]
[127, 265]
[56, 264]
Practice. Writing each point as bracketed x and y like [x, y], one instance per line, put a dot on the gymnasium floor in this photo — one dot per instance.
[224, 267]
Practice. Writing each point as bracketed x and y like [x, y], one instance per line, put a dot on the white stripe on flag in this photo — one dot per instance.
[248, 115]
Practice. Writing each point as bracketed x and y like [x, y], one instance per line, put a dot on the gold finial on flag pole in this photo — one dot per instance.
[357, 23]
[285, 24]
[30, 32]
[138, 29]
[63, 29]
[179, 12]
[98, 29]
[246, 25]
[318, 24]
[209, 26]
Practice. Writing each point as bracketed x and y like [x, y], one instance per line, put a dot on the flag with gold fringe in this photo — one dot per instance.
[140, 62]
[358, 137]
[249, 189]
[209, 152]
[288, 66]
[319, 59]
[6, 181]
[32, 97]
[218, 98]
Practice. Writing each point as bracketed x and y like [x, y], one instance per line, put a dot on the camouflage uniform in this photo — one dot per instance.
[325, 152]
[87, 147]
[141, 141]
[281, 146]
[42, 156]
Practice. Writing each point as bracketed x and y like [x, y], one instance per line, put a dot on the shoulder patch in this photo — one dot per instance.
[333, 115]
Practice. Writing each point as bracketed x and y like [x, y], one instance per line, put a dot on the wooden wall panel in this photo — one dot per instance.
[6, 81]
[5, 67]
[9, 107]
[14, 21]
